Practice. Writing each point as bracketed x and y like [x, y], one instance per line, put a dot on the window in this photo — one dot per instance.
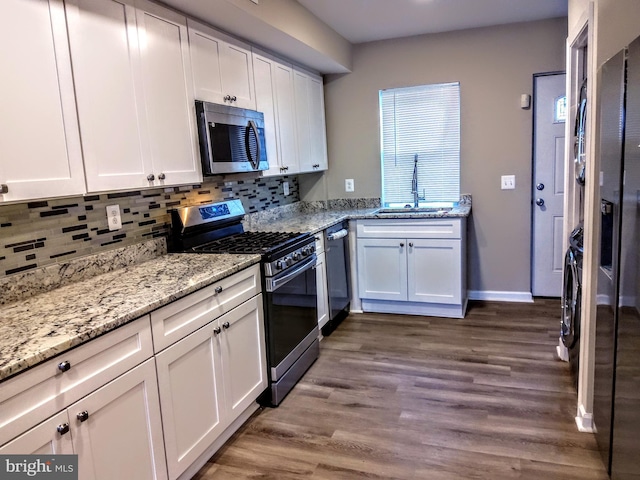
[420, 129]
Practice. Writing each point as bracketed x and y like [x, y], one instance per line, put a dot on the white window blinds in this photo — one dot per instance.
[422, 121]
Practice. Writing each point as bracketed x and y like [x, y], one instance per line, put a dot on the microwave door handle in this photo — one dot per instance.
[253, 128]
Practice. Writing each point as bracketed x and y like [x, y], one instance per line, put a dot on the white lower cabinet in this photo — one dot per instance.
[116, 431]
[208, 379]
[412, 266]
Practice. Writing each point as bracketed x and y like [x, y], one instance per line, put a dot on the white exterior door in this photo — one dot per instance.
[40, 154]
[548, 186]
[382, 269]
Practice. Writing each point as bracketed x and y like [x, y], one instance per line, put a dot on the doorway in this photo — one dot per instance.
[549, 118]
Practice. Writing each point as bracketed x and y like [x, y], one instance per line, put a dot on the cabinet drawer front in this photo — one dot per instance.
[184, 316]
[43, 439]
[410, 228]
[37, 394]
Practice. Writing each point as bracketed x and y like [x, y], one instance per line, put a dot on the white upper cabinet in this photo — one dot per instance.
[310, 121]
[222, 68]
[40, 154]
[274, 98]
[168, 93]
[134, 93]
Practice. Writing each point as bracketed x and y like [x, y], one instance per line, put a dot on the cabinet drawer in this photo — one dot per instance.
[411, 228]
[32, 396]
[180, 318]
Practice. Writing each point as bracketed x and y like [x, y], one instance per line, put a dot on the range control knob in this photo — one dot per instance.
[296, 256]
[288, 261]
[306, 252]
[312, 248]
[279, 265]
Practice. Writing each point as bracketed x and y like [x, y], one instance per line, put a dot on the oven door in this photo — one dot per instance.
[291, 315]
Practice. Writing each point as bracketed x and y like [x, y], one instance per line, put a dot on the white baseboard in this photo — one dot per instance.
[562, 351]
[497, 296]
[584, 421]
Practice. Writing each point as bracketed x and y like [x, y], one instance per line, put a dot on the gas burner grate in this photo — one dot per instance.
[251, 242]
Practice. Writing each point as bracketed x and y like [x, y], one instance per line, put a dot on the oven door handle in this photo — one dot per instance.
[273, 283]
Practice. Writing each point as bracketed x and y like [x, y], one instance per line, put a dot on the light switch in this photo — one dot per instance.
[508, 182]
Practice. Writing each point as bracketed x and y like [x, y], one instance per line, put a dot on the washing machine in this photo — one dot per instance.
[571, 300]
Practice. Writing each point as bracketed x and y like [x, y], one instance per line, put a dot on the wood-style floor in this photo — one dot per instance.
[410, 397]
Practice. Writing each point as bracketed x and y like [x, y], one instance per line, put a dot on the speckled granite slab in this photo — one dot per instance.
[313, 219]
[38, 328]
[45, 279]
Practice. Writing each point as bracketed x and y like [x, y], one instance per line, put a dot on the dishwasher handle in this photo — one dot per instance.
[338, 235]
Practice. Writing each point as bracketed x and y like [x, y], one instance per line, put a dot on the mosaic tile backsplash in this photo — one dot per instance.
[41, 233]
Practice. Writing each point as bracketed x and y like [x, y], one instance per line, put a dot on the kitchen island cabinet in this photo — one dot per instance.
[412, 266]
[40, 152]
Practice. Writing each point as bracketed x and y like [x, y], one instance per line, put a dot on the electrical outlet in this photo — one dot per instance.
[113, 217]
[508, 182]
[349, 185]
[285, 187]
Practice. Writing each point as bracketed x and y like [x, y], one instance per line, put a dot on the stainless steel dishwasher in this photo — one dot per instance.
[338, 281]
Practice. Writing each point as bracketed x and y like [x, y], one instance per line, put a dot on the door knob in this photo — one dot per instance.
[540, 202]
[540, 186]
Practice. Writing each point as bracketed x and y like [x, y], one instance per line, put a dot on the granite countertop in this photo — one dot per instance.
[315, 222]
[42, 325]
[36, 329]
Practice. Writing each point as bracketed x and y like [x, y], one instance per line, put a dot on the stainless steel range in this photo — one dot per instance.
[289, 283]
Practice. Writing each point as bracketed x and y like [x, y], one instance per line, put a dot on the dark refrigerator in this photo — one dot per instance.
[617, 355]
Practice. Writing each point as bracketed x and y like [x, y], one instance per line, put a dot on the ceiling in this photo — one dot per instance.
[367, 20]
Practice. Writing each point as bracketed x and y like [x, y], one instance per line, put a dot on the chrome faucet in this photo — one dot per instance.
[414, 184]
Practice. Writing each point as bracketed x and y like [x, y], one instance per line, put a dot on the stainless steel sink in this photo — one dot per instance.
[400, 210]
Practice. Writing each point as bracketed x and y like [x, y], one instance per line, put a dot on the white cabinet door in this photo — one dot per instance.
[117, 430]
[106, 67]
[382, 269]
[168, 95]
[244, 361]
[222, 68]
[190, 383]
[434, 268]
[43, 439]
[321, 282]
[40, 154]
[264, 75]
[287, 128]
[310, 122]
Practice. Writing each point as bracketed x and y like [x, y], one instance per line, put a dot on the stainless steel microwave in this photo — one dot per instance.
[231, 139]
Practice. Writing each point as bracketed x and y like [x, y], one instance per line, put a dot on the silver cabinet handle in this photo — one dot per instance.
[4, 188]
[217, 330]
[401, 244]
[63, 428]
[83, 416]
[218, 290]
[226, 325]
[64, 366]
[411, 244]
[151, 177]
[227, 98]
[161, 176]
